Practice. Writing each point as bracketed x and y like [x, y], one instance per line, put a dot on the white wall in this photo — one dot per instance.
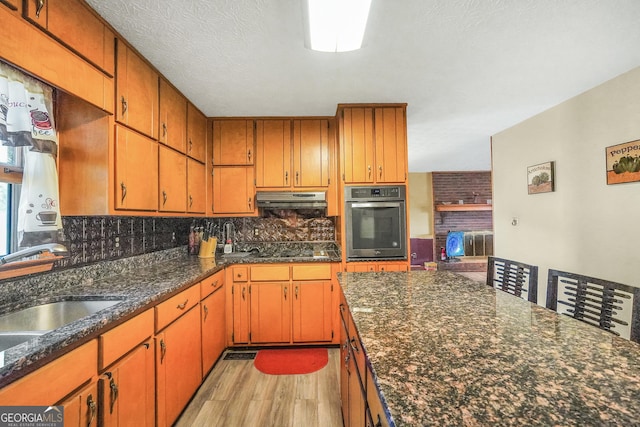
[420, 205]
[585, 226]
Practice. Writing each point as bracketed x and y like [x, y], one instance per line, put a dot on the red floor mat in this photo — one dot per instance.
[291, 361]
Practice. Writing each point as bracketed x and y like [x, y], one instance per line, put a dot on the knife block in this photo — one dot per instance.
[208, 248]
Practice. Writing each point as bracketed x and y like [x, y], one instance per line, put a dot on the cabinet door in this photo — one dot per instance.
[233, 142]
[344, 361]
[173, 117]
[361, 267]
[178, 365]
[376, 410]
[213, 329]
[61, 377]
[172, 188]
[195, 187]
[273, 153]
[136, 92]
[311, 153]
[358, 153]
[81, 409]
[136, 171]
[312, 311]
[357, 403]
[393, 267]
[240, 293]
[196, 133]
[233, 190]
[391, 145]
[78, 27]
[127, 390]
[270, 312]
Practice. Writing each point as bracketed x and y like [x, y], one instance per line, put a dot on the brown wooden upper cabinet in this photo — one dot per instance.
[172, 188]
[292, 153]
[173, 117]
[311, 153]
[195, 187]
[374, 144]
[75, 25]
[136, 171]
[196, 133]
[136, 92]
[273, 153]
[233, 190]
[233, 142]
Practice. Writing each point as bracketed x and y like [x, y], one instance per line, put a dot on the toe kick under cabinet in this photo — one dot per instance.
[281, 304]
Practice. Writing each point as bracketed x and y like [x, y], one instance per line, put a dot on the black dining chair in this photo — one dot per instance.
[599, 302]
[513, 277]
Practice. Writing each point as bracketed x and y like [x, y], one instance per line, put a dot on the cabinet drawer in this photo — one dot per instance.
[52, 382]
[269, 273]
[311, 272]
[240, 274]
[119, 340]
[176, 306]
[211, 283]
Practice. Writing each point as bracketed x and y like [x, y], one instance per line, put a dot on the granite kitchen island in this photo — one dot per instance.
[447, 351]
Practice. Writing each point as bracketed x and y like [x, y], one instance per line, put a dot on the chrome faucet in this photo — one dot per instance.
[53, 248]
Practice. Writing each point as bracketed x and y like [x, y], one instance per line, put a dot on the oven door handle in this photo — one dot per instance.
[376, 205]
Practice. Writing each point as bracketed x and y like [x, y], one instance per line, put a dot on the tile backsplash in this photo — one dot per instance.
[98, 238]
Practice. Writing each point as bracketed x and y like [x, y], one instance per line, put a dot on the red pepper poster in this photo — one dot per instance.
[623, 162]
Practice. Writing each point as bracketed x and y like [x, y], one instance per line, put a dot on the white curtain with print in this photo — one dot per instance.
[26, 121]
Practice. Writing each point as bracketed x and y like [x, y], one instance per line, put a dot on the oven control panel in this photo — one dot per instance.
[375, 193]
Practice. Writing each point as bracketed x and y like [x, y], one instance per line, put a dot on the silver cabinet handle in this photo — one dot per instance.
[39, 7]
[183, 305]
[163, 350]
[124, 191]
[206, 312]
[164, 197]
[125, 106]
[91, 404]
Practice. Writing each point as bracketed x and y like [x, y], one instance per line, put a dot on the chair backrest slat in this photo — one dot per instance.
[611, 306]
[513, 277]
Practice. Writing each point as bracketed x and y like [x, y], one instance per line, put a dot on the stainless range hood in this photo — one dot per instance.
[291, 200]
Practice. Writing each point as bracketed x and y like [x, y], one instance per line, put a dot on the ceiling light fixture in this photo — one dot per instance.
[336, 25]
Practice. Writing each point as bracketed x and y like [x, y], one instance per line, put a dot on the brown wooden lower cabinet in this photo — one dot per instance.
[361, 404]
[62, 376]
[178, 366]
[363, 267]
[212, 314]
[81, 409]
[281, 304]
[127, 389]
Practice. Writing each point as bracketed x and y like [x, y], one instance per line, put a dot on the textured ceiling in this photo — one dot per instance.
[467, 68]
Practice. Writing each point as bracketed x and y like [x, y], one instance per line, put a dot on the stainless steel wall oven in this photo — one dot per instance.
[375, 222]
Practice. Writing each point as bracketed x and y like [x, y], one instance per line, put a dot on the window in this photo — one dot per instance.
[10, 179]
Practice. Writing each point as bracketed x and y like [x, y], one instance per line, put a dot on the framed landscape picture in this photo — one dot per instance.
[623, 162]
[540, 178]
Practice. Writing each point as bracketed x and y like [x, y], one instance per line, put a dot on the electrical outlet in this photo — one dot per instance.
[256, 232]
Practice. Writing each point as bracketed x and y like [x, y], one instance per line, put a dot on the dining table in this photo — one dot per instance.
[448, 351]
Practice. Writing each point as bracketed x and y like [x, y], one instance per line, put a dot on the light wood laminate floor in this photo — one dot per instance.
[235, 393]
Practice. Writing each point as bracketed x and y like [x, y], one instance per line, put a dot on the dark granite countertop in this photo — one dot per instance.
[448, 351]
[139, 282]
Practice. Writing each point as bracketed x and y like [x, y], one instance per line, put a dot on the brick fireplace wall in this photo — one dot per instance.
[471, 188]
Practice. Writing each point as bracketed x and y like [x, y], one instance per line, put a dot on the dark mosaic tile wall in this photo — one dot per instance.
[99, 238]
